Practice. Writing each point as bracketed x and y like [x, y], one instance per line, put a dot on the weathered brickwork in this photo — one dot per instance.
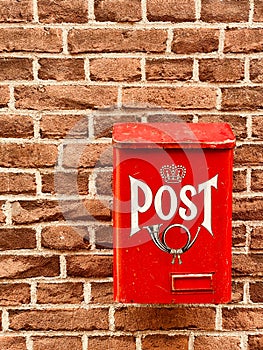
[69, 70]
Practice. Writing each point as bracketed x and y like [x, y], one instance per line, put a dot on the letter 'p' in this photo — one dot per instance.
[135, 206]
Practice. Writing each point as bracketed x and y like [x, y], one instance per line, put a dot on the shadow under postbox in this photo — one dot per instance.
[172, 212]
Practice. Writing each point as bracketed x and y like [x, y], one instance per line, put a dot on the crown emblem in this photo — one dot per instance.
[173, 173]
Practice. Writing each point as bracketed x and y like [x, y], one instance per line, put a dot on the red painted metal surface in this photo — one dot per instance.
[172, 212]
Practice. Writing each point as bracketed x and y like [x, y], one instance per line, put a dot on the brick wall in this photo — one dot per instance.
[68, 70]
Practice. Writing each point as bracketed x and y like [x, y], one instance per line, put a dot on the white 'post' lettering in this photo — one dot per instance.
[135, 207]
[158, 203]
[188, 203]
[207, 188]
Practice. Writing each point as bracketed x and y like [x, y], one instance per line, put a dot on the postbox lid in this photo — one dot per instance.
[173, 135]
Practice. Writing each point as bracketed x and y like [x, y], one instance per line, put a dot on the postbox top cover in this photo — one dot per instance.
[173, 135]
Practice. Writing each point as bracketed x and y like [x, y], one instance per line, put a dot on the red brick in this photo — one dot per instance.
[112, 342]
[104, 183]
[17, 183]
[28, 266]
[27, 212]
[118, 10]
[216, 343]
[155, 318]
[103, 237]
[103, 123]
[171, 98]
[248, 208]
[16, 69]
[66, 183]
[169, 118]
[248, 265]
[169, 69]
[221, 70]
[28, 155]
[242, 319]
[257, 180]
[256, 242]
[117, 40]
[244, 40]
[256, 292]
[53, 183]
[65, 237]
[2, 214]
[239, 180]
[237, 123]
[12, 11]
[14, 294]
[57, 343]
[94, 266]
[258, 11]
[248, 98]
[115, 69]
[257, 127]
[61, 69]
[225, 11]
[190, 40]
[98, 209]
[57, 320]
[59, 11]
[101, 292]
[17, 238]
[255, 342]
[172, 10]
[165, 342]
[237, 292]
[239, 236]
[12, 343]
[30, 40]
[61, 97]
[60, 293]
[86, 156]
[4, 96]
[249, 154]
[16, 126]
[63, 126]
[256, 70]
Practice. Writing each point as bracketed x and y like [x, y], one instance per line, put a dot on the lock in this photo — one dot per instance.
[172, 212]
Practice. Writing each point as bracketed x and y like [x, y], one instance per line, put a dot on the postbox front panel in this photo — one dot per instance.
[172, 225]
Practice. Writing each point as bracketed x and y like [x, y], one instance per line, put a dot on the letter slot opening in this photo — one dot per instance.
[192, 283]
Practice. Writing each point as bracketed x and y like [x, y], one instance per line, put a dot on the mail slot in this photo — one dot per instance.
[172, 212]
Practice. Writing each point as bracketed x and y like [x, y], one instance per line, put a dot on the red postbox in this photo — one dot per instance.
[172, 212]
